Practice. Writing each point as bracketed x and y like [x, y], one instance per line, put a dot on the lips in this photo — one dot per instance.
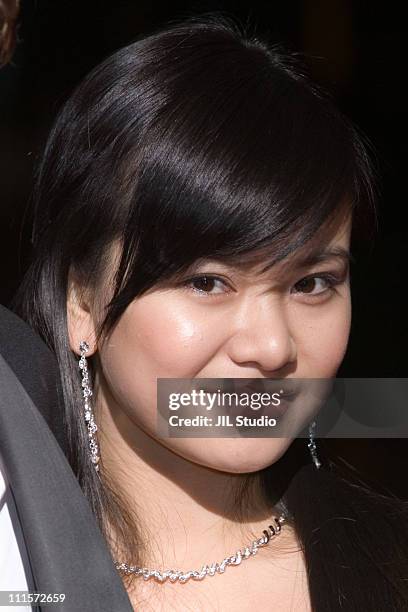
[286, 388]
[287, 393]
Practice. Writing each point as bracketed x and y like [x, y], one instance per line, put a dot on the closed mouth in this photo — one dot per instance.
[285, 388]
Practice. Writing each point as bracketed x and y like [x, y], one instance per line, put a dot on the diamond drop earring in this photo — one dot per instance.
[312, 445]
[88, 414]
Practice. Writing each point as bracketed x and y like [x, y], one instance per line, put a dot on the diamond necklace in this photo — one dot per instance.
[180, 576]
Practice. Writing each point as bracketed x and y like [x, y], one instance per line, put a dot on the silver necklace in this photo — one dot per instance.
[206, 570]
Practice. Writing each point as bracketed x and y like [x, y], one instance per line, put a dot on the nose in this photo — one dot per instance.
[261, 337]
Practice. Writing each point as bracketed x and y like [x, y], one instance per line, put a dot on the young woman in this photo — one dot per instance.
[196, 207]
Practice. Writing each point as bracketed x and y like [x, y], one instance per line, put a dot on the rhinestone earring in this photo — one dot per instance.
[312, 445]
[88, 414]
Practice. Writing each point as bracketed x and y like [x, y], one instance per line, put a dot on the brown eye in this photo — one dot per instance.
[306, 285]
[314, 285]
[203, 283]
[206, 285]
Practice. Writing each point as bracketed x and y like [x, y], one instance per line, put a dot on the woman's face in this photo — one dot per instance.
[226, 323]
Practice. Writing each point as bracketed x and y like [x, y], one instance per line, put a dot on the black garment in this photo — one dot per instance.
[35, 367]
[66, 550]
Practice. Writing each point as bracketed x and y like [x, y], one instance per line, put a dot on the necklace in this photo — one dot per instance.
[178, 575]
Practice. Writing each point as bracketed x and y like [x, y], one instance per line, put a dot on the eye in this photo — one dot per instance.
[206, 284]
[209, 285]
[317, 284]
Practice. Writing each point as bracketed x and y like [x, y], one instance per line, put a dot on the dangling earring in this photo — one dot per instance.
[88, 414]
[312, 445]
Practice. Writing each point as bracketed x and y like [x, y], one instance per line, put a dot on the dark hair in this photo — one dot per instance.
[8, 29]
[202, 140]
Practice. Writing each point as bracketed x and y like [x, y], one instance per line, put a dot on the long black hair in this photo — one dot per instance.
[206, 140]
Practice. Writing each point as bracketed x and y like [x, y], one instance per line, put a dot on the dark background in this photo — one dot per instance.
[356, 50]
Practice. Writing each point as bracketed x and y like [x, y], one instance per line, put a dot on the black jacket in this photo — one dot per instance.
[66, 550]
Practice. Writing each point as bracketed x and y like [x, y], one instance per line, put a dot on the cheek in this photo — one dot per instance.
[171, 340]
[151, 341]
[324, 340]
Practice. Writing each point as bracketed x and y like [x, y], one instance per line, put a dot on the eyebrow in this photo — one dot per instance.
[316, 257]
[312, 258]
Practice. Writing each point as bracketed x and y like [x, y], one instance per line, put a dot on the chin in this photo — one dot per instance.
[236, 455]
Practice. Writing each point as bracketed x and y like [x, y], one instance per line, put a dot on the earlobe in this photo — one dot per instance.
[80, 321]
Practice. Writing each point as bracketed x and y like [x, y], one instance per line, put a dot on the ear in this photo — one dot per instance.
[80, 320]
